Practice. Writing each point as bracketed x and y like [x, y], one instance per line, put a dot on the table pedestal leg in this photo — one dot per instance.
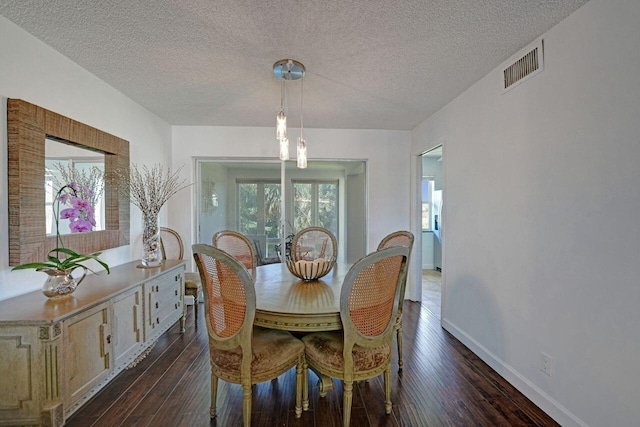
[325, 383]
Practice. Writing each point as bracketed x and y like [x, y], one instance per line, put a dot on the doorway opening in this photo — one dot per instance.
[431, 202]
[245, 196]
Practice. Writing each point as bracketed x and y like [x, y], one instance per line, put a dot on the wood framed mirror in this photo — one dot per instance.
[28, 126]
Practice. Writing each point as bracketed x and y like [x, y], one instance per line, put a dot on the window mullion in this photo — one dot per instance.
[261, 213]
[315, 203]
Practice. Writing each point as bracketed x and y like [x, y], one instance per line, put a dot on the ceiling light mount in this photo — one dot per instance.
[289, 69]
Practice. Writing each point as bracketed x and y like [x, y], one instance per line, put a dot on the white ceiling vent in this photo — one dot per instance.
[522, 66]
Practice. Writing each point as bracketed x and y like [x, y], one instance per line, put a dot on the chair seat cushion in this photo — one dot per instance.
[192, 281]
[273, 351]
[325, 349]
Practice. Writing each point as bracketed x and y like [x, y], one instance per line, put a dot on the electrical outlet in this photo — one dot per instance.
[546, 364]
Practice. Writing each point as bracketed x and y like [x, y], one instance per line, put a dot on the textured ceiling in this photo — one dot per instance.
[371, 64]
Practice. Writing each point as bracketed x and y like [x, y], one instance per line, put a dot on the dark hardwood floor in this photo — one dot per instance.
[443, 384]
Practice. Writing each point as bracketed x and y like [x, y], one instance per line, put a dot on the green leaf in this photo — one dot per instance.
[73, 260]
[37, 265]
[66, 251]
[102, 263]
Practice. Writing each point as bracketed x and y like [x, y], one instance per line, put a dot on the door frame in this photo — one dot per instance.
[414, 291]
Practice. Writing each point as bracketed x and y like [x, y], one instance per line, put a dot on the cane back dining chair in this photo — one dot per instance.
[399, 238]
[312, 243]
[368, 306]
[173, 248]
[238, 246]
[262, 260]
[239, 352]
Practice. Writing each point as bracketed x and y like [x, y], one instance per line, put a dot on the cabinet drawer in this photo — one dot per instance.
[164, 296]
[166, 312]
[158, 283]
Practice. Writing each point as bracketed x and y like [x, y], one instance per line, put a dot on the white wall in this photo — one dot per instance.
[386, 152]
[356, 204]
[32, 71]
[542, 208]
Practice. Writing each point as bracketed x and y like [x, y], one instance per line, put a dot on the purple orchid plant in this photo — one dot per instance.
[81, 213]
[82, 219]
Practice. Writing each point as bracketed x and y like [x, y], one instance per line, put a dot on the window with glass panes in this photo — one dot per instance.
[315, 203]
[259, 211]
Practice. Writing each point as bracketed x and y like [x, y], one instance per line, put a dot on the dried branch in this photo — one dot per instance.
[150, 188]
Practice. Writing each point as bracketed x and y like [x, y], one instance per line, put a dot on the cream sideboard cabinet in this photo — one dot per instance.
[56, 354]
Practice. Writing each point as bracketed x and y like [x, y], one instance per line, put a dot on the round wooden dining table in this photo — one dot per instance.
[286, 302]
[283, 301]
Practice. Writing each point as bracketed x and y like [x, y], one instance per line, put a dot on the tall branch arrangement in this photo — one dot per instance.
[150, 188]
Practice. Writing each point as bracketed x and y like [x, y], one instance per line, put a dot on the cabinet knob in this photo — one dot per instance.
[108, 339]
[156, 305]
[157, 288]
[176, 291]
[176, 305]
[157, 320]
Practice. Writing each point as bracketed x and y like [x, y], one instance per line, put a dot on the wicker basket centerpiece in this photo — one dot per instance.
[312, 254]
[311, 270]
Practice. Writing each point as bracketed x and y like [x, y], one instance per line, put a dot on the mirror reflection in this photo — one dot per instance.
[66, 164]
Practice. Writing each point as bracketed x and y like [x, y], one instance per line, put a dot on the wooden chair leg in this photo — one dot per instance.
[387, 389]
[299, 375]
[346, 403]
[214, 395]
[246, 404]
[399, 339]
[195, 310]
[195, 304]
[305, 386]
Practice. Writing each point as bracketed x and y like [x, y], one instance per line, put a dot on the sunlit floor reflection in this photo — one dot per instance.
[431, 290]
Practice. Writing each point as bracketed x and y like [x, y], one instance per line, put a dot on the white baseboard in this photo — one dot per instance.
[428, 266]
[545, 402]
[189, 300]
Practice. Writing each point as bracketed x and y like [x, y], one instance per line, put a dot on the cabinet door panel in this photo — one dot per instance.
[128, 336]
[87, 351]
[16, 370]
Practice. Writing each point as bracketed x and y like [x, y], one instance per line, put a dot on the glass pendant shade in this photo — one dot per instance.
[302, 153]
[289, 70]
[284, 149]
[281, 126]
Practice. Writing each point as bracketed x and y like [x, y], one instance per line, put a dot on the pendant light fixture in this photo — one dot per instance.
[288, 69]
[281, 127]
[302, 143]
